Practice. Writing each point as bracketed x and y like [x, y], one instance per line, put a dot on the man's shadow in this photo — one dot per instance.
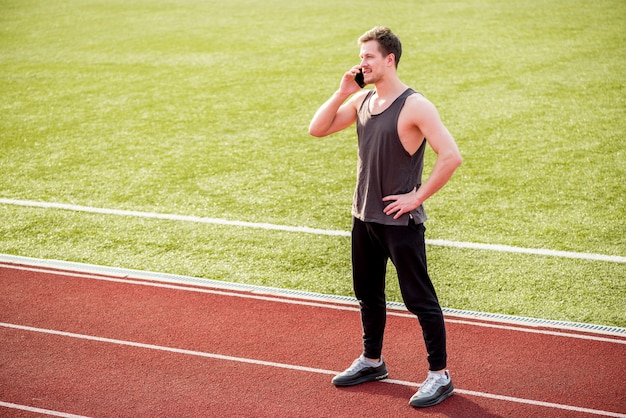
[456, 406]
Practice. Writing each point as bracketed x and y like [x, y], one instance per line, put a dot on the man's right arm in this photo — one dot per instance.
[337, 113]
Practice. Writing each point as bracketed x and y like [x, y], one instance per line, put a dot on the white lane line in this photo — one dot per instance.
[540, 403]
[307, 230]
[39, 410]
[304, 302]
[168, 349]
[297, 368]
[184, 288]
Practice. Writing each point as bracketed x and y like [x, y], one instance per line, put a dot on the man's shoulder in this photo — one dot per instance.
[418, 102]
[416, 96]
[358, 98]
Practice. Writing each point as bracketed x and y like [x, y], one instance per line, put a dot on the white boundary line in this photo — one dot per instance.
[307, 230]
[39, 410]
[298, 368]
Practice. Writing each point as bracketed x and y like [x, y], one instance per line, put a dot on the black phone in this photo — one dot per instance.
[359, 78]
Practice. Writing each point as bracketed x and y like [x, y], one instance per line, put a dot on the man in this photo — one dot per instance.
[394, 123]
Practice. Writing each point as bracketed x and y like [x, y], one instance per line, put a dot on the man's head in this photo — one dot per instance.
[388, 42]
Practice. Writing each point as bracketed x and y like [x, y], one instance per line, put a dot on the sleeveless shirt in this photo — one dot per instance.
[384, 167]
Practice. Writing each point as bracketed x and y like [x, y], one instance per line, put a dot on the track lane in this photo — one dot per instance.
[307, 336]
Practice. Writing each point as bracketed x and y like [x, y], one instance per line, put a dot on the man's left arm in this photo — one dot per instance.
[426, 117]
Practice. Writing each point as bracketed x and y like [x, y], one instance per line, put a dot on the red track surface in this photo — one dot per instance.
[87, 345]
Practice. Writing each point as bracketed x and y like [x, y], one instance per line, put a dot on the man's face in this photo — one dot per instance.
[373, 63]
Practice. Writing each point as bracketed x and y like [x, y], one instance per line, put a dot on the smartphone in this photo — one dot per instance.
[359, 78]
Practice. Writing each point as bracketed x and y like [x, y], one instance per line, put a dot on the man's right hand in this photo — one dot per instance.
[348, 86]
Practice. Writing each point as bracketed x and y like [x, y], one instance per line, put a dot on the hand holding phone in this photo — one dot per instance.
[358, 78]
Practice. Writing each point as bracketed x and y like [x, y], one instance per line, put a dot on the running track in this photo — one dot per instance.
[92, 341]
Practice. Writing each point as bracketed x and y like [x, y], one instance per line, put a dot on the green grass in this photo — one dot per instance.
[201, 108]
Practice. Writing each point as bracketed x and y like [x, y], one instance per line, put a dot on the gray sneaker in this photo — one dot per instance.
[361, 371]
[435, 389]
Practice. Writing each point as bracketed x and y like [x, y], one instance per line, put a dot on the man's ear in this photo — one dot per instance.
[391, 59]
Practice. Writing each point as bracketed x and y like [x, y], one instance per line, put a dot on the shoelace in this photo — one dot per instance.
[428, 387]
[357, 364]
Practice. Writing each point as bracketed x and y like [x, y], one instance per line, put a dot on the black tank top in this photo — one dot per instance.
[384, 167]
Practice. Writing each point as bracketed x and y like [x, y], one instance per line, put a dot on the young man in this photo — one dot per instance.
[393, 125]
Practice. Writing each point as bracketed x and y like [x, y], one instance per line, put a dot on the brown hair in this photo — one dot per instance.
[388, 42]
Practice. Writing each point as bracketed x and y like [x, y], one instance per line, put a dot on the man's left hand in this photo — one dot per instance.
[401, 203]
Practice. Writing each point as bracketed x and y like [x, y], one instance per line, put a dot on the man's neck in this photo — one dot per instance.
[390, 88]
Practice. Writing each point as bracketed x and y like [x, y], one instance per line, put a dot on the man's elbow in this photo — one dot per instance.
[316, 132]
[453, 161]
[458, 160]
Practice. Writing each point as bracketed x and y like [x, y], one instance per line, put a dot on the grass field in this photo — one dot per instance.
[201, 108]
